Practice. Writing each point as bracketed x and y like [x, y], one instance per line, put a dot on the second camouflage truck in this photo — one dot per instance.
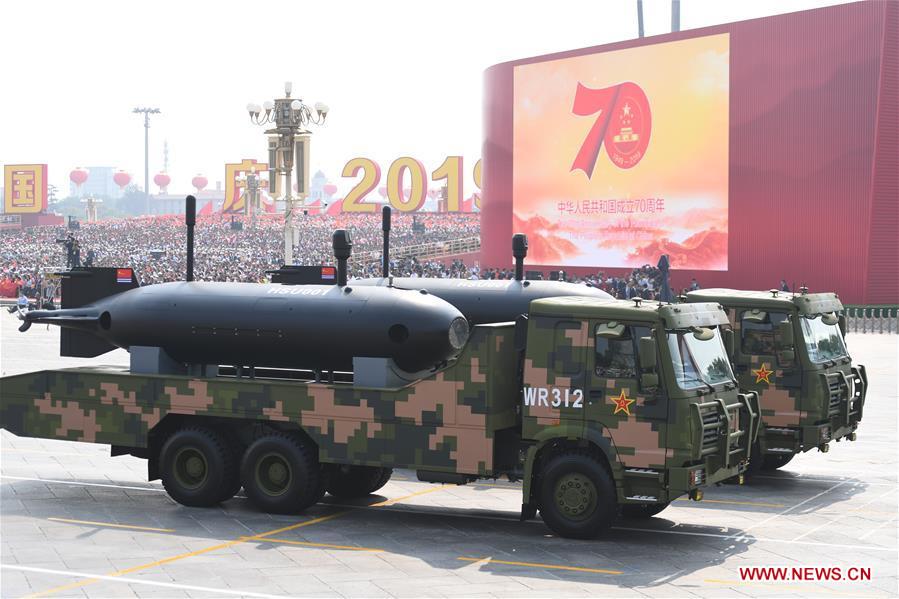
[598, 406]
[791, 350]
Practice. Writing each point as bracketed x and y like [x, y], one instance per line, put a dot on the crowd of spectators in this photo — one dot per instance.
[644, 282]
[155, 247]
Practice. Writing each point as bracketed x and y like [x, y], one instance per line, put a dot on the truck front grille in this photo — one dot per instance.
[837, 396]
[711, 423]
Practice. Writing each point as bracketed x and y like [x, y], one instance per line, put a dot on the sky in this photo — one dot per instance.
[402, 78]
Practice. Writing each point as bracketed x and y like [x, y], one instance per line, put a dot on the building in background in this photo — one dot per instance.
[811, 155]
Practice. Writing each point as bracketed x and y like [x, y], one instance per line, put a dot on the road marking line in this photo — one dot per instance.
[510, 518]
[310, 544]
[111, 525]
[757, 539]
[809, 479]
[729, 502]
[91, 454]
[152, 583]
[788, 510]
[225, 545]
[843, 515]
[82, 484]
[404, 497]
[490, 560]
[804, 588]
[876, 528]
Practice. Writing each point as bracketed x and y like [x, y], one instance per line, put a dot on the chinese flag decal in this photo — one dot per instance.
[623, 123]
[623, 404]
[762, 374]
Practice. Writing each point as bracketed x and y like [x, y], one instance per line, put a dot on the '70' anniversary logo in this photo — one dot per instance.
[623, 123]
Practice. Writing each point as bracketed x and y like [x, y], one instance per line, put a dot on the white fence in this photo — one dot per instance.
[872, 320]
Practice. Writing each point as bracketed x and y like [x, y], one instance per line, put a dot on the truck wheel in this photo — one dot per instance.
[197, 467]
[577, 496]
[280, 474]
[348, 482]
[775, 461]
[642, 510]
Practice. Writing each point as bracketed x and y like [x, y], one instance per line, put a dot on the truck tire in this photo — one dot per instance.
[576, 495]
[775, 461]
[347, 482]
[642, 510]
[280, 474]
[197, 467]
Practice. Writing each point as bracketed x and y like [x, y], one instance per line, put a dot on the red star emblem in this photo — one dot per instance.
[623, 404]
[762, 374]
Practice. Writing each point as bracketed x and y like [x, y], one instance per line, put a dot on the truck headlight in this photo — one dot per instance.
[697, 477]
[458, 333]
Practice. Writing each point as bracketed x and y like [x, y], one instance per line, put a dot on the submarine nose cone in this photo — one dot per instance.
[458, 332]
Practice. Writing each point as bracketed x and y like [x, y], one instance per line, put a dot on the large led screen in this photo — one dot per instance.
[620, 157]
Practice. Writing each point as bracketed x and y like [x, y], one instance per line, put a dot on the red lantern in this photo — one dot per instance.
[122, 179]
[199, 182]
[79, 176]
[162, 180]
[330, 189]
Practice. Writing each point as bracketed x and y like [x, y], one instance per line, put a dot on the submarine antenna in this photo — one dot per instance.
[519, 252]
[190, 219]
[343, 249]
[385, 228]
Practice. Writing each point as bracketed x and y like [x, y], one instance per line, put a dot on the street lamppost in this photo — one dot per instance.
[291, 118]
[146, 112]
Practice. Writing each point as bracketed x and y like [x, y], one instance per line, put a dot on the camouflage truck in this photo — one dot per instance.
[598, 407]
[790, 349]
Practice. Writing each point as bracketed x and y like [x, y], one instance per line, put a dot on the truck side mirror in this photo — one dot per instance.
[785, 333]
[649, 380]
[727, 335]
[755, 315]
[647, 350]
[610, 330]
[786, 357]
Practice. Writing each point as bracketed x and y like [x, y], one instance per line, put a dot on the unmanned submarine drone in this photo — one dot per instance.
[321, 327]
[483, 301]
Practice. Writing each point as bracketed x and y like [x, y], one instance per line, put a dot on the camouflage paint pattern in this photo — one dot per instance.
[445, 422]
[791, 394]
[636, 428]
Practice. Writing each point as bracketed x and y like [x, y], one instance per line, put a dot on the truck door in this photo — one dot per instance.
[766, 363]
[633, 417]
[553, 375]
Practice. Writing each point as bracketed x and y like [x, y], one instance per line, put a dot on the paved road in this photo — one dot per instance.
[76, 522]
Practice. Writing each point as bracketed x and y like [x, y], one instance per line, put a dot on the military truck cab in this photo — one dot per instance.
[791, 350]
[629, 404]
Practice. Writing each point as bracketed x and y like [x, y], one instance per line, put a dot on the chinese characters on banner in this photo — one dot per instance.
[25, 188]
[623, 155]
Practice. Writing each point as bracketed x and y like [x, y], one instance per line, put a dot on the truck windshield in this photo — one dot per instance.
[823, 341]
[697, 363]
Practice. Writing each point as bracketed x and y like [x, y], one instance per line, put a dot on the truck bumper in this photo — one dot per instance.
[846, 404]
[786, 441]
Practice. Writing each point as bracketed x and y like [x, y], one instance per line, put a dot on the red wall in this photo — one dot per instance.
[813, 192]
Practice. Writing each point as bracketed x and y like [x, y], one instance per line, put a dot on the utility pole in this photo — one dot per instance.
[640, 18]
[675, 15]
[288, 143]
[146, 112]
